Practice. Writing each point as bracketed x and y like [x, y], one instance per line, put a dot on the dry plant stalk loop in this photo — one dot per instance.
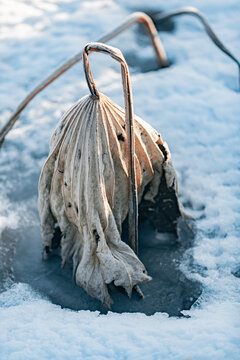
[129, 116]
[137, 17]
[192, 11]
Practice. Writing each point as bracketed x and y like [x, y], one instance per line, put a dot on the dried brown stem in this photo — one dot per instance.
[129, 116]
[189, 10]
[138, 17]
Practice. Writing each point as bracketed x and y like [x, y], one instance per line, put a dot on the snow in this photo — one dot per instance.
[48, 332]
[194, 104]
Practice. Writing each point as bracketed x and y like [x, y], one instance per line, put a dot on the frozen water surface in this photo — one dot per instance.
[195, 105]
[170, 290]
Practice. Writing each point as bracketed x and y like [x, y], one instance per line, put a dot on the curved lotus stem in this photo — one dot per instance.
[129, 116]
[189, 10]
[141, 17]
[137, 17]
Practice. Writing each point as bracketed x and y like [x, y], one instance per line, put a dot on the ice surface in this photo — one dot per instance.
[194, 104]
[169, 291]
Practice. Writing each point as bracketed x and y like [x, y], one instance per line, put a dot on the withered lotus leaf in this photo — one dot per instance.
[84, 188]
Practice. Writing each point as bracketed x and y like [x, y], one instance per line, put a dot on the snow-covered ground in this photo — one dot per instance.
[196, 107]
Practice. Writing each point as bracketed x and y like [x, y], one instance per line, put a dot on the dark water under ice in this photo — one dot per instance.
[169, 291]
